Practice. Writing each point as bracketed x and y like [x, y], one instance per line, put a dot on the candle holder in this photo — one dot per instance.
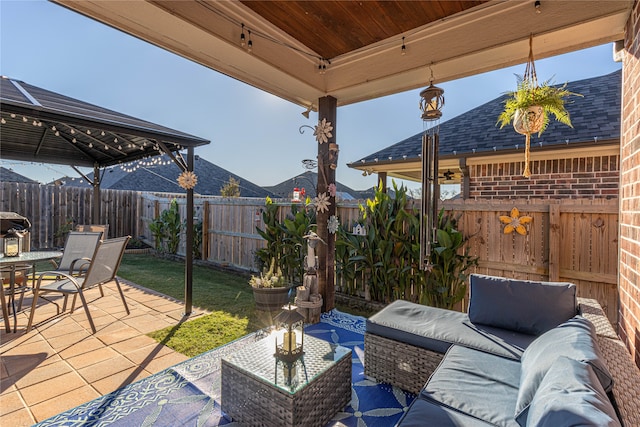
[291, 349]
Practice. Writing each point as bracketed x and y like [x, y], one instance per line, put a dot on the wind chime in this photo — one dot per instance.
[431, 103]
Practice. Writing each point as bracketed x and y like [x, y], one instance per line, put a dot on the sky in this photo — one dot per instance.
[253, 134]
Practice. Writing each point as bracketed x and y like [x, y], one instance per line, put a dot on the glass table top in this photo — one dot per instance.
[258, 361]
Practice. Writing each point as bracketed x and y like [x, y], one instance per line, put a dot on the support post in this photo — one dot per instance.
[188, 259]
[95, 213]
[327, 109]
[382, 181]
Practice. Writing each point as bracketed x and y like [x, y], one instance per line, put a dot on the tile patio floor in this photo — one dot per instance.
[61, 364]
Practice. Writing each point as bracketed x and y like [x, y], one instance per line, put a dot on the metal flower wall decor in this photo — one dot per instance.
[187, 180]
[515, 222]
[322, 202]
[322, 132]
[333, 224]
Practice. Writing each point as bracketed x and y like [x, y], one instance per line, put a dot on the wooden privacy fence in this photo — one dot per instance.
[54, 210]
[567, 240]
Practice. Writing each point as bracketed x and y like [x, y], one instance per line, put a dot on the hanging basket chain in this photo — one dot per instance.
[531, 77]
[530, 70]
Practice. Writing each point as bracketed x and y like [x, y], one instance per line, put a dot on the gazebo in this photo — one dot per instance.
[47, 127]
[325, 54]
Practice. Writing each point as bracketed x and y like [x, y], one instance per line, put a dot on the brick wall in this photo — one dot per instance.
[629, 272]
[573, 178]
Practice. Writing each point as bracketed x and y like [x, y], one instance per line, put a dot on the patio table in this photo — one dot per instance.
[14, 263]
[255, 392]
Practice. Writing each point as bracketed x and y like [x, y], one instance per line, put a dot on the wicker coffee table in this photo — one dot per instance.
[255, 393]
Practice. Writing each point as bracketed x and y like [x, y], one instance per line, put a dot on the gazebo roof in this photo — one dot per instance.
[44, 126]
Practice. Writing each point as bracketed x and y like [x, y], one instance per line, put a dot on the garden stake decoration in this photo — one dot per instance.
[529, 106]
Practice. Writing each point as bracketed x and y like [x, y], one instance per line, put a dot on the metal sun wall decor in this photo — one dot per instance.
[515, 222]
[187, 180]
[431, 103]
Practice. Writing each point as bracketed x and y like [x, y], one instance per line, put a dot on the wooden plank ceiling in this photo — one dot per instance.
[306, 49]
[333, 27]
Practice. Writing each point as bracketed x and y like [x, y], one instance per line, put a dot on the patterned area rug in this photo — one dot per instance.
[188, 394]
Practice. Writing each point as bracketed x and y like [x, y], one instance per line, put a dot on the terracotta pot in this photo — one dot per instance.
[528, 121]
[271, 299]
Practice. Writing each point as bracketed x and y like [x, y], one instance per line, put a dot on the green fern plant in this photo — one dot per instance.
[552, 99]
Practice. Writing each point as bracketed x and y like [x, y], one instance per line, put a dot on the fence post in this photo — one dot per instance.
[205, 230]
[554, 242]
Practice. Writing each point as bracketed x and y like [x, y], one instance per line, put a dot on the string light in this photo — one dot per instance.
[242, 38]
[249, 43]
[403, 49]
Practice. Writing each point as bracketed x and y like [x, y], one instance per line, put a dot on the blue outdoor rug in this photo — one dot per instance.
[188, 394]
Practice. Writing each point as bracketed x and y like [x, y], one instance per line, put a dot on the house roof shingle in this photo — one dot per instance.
[595, 117]
[163, 178]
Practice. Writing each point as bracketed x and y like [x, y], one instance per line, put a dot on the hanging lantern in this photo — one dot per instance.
[431, 102]
[12, 244]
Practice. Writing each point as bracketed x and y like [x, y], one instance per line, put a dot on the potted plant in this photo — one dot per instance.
[529, 106]
[270, 288]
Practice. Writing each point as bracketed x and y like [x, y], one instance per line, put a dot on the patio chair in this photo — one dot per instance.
[102, 269]
[77, 252]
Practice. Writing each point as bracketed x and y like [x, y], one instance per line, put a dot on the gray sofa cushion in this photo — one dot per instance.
[575, 339]
[479, 384]
[423, 413]
[437, 329]
[570, 394]
[525, 306]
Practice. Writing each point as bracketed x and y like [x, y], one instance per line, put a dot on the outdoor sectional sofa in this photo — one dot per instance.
[526, 354]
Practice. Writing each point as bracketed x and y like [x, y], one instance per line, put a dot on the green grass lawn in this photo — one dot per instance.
[226, 295]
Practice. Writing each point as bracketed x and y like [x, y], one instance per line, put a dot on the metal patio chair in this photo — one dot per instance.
[77, 252]
[102, 269]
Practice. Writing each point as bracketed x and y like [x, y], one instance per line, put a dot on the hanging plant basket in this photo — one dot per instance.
[529, 121]
[529, 106]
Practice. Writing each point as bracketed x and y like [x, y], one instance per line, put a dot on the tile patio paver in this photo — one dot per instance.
[60, 364]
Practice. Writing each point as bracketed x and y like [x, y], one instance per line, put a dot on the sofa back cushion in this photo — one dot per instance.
[525, 306]
[570, 394]
[574, 339]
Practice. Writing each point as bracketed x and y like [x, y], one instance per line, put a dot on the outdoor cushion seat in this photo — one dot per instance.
[425, 412]
[437, 329]
[500, 362]
[466, 378]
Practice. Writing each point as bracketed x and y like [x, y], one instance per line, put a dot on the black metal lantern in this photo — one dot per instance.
[290, 349]
[431, 102]
[12, 243]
